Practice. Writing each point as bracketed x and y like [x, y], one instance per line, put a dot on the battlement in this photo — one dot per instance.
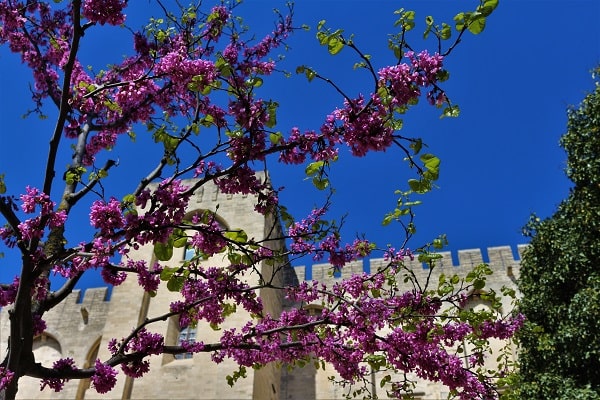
[500, 259]
[210, 195]
[88, 296]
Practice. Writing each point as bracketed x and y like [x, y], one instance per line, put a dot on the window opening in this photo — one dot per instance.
[186, 334]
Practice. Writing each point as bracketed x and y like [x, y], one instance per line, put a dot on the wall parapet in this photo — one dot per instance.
[500, 259]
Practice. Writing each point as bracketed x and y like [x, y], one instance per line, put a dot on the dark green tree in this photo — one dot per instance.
[560, 276]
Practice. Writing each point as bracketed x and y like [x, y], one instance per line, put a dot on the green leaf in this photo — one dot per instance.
[385, 380]
[335, 45]
[416, 146]
[162, 251]
[432, 164]
[309, 73]
[128, 199]
[478, 284]
[178, 238]
[237, 236]
[322, 38]
[234, 258]
[175, 283]
[224, 67]
[388, 219]
[320, 183]
[167, 273]
[419, 186]
[207, 120]
[255, 81]
[314, 168]
[407, 19]
[488, 7]
[459, 21]
[446, 31]
[477, 25]
[2, 184]
[275, 138]
[272, 112]
[451, 111]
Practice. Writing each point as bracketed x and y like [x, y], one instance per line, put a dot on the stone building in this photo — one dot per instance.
[81, 326]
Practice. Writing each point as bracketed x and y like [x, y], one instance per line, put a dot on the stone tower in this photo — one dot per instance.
[81, 328]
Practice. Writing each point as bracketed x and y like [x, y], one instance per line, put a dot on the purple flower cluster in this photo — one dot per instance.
[105, 11]
[105, 377]
[6, 377]
[107, 216]
[64, 364]
[8, 293]
[33, 228]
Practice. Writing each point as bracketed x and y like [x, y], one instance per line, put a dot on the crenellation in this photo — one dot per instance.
[521, 249]
[445, 261]
[414, 263]
[501, 259]
[95, 295]
[324, 273]
[301, 273]
[469, 258]
[209, 192]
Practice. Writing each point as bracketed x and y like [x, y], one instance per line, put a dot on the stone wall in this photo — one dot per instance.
[505, 269]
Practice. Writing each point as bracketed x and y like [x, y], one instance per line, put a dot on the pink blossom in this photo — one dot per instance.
[112, 276]
[107, 216]
[147, 343]
[64, 364]
[6, 377]
[39, 325]
[209, 239]
[215, 23]
[8, 293]
[501, 329]
[147, 279]
[135, 369]
[105, 377]
[105, 11]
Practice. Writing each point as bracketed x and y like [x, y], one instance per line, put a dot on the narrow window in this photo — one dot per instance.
[189, 253]
[186, 334]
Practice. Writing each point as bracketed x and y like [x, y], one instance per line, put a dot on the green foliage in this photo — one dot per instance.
[2, 184]
[316, 171]
[164, 251]
[334, 41]
[74, 175]
[308, 72]
[560, 278]
[233, 378]
[238, 236]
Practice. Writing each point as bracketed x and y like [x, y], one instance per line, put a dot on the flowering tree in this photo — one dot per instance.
[193, 80]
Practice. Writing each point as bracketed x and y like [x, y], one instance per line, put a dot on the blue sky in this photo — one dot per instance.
[500, 159]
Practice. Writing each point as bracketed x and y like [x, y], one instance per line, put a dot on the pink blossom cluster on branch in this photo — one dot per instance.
[200, 69]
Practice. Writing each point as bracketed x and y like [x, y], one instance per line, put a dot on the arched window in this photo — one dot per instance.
[46, 349]
[84, 384]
